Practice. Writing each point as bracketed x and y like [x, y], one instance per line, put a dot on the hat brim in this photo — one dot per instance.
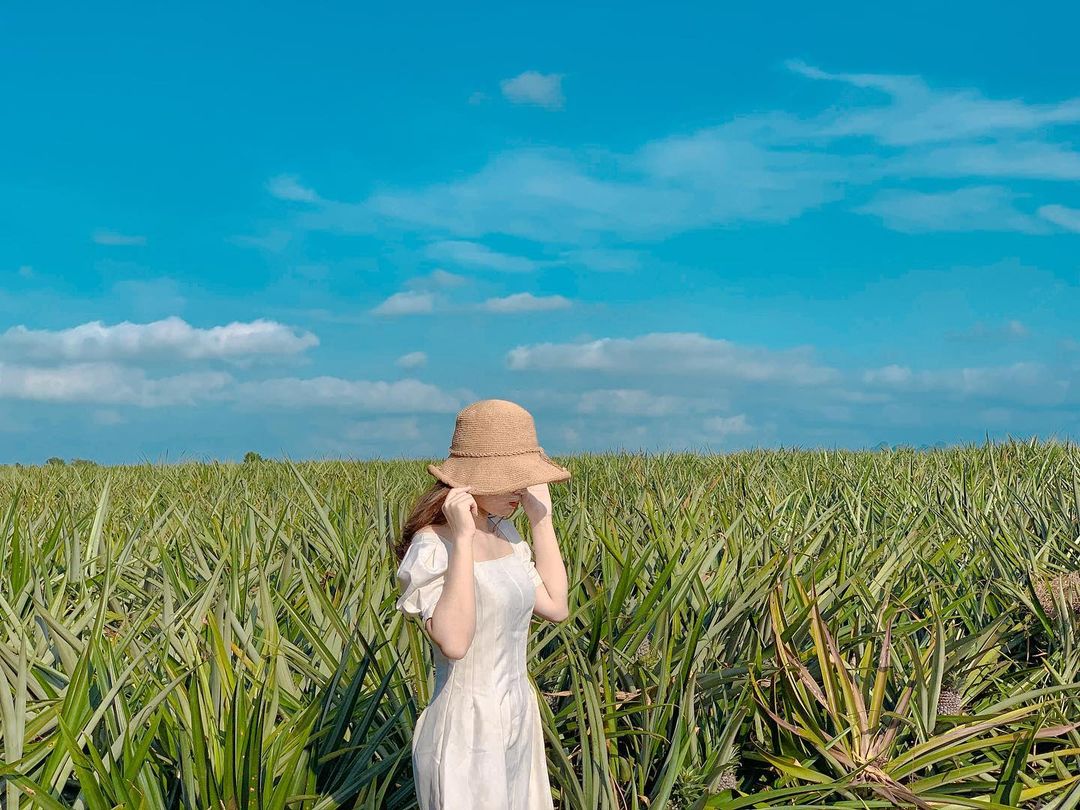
[492, 475]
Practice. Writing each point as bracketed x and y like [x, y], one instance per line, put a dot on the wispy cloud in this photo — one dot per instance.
[721, 426]
[531, 87]
[377, 431]
[412, 360]
[288, 187]
[979, 208]
[108, 384]
[273, 241]
[525, 302]
[1032, 382]
[1067, 218]
[438, 278]
[125, 385]
[167, 339]
[604, 260]
[106, 237]
[407, 396]
[915, 113]
[476, 255]
[408, 302]
[982, 332]
[150, 298]
[546, 195]
[631, 402]
[687, 353]
[731, 391]
[107, 417]
[766, 167]
[1023, 159]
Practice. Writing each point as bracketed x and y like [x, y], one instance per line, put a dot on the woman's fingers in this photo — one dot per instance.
[459, 494]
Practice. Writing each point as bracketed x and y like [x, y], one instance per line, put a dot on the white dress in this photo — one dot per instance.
[479, 744]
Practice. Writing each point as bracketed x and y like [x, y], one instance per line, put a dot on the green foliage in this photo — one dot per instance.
[766, 628]
[251, 457]
[55, 461]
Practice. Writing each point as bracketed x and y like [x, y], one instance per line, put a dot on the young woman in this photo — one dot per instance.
[468, 576]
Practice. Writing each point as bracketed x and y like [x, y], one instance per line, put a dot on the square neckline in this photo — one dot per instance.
[513, 550]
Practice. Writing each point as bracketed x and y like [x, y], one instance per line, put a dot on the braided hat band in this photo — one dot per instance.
[495, 450]
[466, 454]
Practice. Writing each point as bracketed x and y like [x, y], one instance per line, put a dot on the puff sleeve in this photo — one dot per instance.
[524, 551]
[421, 575]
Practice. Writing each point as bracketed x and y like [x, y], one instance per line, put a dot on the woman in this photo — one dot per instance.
[468, 576]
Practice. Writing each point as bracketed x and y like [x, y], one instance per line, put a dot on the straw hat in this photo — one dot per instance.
[495, 450]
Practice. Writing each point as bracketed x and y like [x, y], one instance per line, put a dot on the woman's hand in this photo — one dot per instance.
[460, 507]
[536, 502]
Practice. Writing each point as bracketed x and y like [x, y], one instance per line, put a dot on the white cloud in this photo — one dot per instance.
[980, 331]
[726, 425]
[273, 241]
[443, 278]
[916, 113]
[409, 396]
[168, 339]
[149, 298]
[1067, 218]
[525, 302]
[744, 170]
[412, 360]
[604, 260]
[529, 193]
[675, 185]
[978, 208]
[769, 166]
[107, 417]
[406, 303]
[530, 87]
[892, 374]
[630, 402]
[1024, 381]
[108, 384]
[437, 278]
[686, 353]
[113, 384]
[288, 187]
[378, 431]
[473, 254]
[106, 237]
[1024, 159]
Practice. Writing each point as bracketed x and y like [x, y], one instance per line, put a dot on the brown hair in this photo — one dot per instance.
[427, 511]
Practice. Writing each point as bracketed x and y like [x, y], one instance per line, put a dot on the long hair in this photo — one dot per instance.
[426, 511]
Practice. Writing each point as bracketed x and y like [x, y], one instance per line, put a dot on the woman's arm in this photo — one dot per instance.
[552, 596]
[453, 622]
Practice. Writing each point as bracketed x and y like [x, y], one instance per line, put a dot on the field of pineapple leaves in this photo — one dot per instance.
[778, 628]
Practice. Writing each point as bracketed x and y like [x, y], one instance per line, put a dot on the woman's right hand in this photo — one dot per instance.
[459, 508]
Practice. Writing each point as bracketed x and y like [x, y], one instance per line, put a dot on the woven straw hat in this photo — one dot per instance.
[495, 450]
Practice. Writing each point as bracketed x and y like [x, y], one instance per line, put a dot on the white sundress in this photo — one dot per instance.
[479, 744]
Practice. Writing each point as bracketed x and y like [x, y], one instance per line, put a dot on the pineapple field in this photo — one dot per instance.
[768, 628]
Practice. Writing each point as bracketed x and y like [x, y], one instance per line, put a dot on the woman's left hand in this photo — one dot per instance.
[536, 502]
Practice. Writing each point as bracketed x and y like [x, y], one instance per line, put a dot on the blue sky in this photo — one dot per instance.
[318, 231]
